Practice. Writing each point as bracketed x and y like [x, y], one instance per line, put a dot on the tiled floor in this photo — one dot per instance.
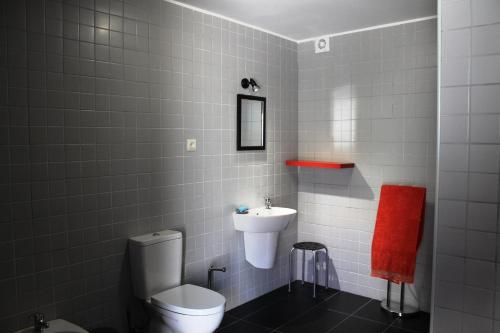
[331, 311]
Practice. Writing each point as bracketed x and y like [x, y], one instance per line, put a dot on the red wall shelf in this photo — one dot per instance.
[319, 164]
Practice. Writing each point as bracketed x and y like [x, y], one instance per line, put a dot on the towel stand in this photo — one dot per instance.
[401, 309]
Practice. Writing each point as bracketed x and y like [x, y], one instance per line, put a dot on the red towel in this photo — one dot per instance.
[398, 232]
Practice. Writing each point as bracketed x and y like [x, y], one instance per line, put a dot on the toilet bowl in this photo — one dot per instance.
[186, 309]
[156, 267]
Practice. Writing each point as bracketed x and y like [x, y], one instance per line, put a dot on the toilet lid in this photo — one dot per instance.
[190, 300]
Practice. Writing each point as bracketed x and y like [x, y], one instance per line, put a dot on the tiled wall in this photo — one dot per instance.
[467, 284]
[370, 100]
[97, 99]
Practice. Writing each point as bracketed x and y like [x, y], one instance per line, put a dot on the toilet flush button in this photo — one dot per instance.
[191, 144]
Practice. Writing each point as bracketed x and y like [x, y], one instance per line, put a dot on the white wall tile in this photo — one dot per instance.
[454, 157]
[484, 158]
[485, 69]
[454, 100]
[483, 187]
[387, 130]
[485, 12]
[453, 185]
[452, 213]
[450, 268]
[447, 321]
[449, 295]
[482, 37]
[485, 99]
[456, 43]
[484, 129]
[451, 241]
[455, 14]
[473, 324]
[497, 277]
[454, 129]
[455, 71]
[482, 216]
[478, 301]
[480, 274]
[481, 245]
[497, 301]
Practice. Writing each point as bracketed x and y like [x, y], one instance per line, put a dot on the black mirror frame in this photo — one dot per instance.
[238, 122]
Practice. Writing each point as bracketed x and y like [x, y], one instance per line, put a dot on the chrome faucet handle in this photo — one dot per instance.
[39, 322]
[267, 201]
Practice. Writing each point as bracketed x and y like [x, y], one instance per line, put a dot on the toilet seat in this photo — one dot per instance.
[190, 300]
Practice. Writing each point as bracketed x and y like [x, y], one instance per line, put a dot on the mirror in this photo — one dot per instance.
[251, 123]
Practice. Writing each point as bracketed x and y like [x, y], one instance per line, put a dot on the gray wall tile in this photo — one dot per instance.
[98, 107]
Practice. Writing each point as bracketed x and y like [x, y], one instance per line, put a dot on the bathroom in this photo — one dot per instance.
[122, 118]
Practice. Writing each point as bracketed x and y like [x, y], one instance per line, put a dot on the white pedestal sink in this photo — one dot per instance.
[261, 229]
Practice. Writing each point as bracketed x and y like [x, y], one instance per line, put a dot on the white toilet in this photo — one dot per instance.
[156, 266]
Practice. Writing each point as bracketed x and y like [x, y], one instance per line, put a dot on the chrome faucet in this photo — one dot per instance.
[211, 270]
[39, 322]
[268, 202]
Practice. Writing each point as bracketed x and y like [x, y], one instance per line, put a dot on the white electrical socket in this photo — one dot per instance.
[191, 145]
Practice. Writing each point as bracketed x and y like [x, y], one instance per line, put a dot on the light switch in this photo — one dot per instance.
[191, 144]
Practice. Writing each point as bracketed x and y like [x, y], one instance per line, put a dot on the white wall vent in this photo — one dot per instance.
[322, 44]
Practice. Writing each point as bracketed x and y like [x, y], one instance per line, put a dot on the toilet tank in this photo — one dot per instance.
[155, 262]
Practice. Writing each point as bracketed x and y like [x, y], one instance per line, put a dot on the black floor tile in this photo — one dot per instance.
[417, 323]
[346, 302]
[299, 294]
[279, 313]
[227, 320]
[397, 330]
[297, 311]
[358, 325]
[318, 320]
[373, 311]
[305, 290]
[243, 327]
[253, 306]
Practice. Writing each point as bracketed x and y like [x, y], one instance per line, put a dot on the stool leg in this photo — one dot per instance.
[290, 274]
[315, 275]
[326, 272]
[303, 265]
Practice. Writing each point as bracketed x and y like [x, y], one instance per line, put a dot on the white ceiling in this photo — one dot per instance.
[302, 19]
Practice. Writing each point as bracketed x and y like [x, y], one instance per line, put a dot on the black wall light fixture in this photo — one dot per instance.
[245, 83]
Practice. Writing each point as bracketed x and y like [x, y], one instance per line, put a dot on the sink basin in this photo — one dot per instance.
[57, 326]
[261, 229]
[264, 220]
